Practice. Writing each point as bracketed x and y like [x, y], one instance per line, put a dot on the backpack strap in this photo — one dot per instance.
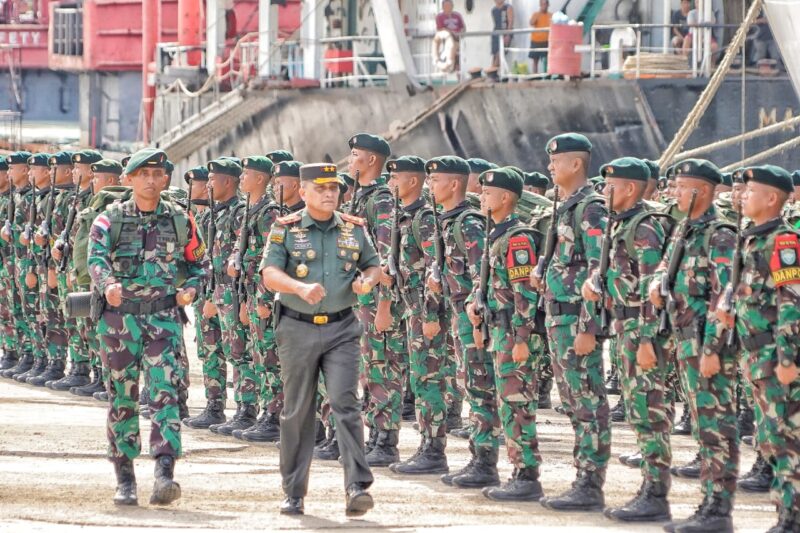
[458, 233]
[179, 221]
[712, 230]
[629, 236]
[416, 223]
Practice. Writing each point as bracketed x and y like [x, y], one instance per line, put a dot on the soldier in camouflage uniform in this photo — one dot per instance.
[507, 303]
[384, 342]
[9, 295]
[141, 326]
[463, 240]
[635, 251]
[424, 315]
[572, 324]
[767, 317]
[707, 366]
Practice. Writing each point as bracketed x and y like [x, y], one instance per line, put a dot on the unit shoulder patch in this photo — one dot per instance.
[785, 264]
[520, 258]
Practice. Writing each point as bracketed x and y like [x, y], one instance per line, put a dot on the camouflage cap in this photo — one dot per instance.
[537, 179]
[287, 168]
[568, 142]
[61, 158]
[771, 175]
[407, 163]
[148, 157]
[700, 169]
[107, 166]
[320, 173]
[478, 165]
[226, 166]
[503, 178]
[447, 164]
[87, 157]
[279, 156]
[196, 174]
[39, 160]
[18, 158]
[371, 143]
[259, 163]
[629, 168]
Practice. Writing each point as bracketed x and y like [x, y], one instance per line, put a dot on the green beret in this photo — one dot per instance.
[107, 165]
[233, 158]
[518, 171]
[670, 173]
[737, 176]
[61, 158]
[88, 157]
[196, 174]
[407, 163]
[287, 168]
[503, 178]
[18, 158]
[796, 178]
[279, 156]
[371, 143]
[346, 179]
[629, 168]
[149, 157]
[320, 173]
[568, 142]
[447, 164]
[597, 180]
[3, 163]
[259, 163]
[700, 169]
[169, 167]
[39, 160]
[125, 160]
[727, 179]
[537, 179]
[225, 166]
[478, 165]
[655, 170]
[771, 175]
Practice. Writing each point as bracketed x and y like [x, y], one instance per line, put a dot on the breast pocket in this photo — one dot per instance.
[696, 275]
[347, 259]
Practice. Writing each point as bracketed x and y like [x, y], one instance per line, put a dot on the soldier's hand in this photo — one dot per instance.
[383, 319]
[24, 240]
[56, 252]
[31, 280]
[244, 318]
[362, 286]
[520, 352]
[477, 334]
[312, 293]
[263, 311]
[786, 374]
[472, 315]
[114, 294]
[536, 281]
[709, 365]
[725, 318]
[655, 294]
[185, 297]
[387, 279]
[39, 239]
[209, 309]
[433, 285]
[646, 356]
[585, 343]
[52, 280]
[5, 235]
[587, 291]
[232, 271]
[431, 329]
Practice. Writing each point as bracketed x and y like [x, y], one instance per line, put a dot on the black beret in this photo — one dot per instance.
[478, 165]
[258, 163]
[407, 163]
[124, 161]
[279, 156]
[372, 143]
[629, 168]
[447, 164]
[700, 169]
[655, 170]
[568, 142]
[149, 157]
[771, 175]
[226, 166]
[287, 168]
[320, 173]
[39, 160]
[107, 166]
[537, 179]
[670, 173]
[727, 179]
[18, 158]
[61, 158]
[503, 178]
[196, 174]
[87, 157]
[796, 178]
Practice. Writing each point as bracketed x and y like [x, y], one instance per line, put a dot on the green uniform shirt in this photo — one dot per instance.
[329, 253]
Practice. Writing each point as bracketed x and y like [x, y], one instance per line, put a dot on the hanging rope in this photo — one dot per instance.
[690, 124]
[743, 115]
[694, 152]
[766, 154]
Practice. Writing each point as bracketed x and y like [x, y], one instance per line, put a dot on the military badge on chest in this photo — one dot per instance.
[784, 262]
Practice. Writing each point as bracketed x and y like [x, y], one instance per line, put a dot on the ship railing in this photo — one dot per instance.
[176, 55]
[352, 61]
[10, 130]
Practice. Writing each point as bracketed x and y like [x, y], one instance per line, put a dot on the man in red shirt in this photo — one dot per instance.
[450, 20]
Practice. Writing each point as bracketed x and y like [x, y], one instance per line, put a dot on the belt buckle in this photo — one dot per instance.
[320, 320]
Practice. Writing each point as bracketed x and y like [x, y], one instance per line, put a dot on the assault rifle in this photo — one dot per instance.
[356, 186]
[239, 290]
[281, 206]
[599, 278]
[727, 303]
[31, 223]
[211, 234]
[549, 245]
[11, 212]
[394, 248]
[675, 260]
[44, 230]
[481, 294]
[64, 240]
[438, 246]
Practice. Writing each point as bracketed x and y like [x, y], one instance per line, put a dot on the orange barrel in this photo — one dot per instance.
[562, 58]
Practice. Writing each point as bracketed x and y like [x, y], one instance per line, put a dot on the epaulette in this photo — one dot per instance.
[291, 218]
[358, 221]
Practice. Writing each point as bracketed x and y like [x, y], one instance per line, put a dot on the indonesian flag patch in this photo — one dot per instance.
[784, 263]
[519, 258]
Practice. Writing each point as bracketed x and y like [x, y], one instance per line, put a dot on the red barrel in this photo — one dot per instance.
[562, 58]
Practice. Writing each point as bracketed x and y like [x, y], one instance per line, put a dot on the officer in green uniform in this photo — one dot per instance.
[313, 262]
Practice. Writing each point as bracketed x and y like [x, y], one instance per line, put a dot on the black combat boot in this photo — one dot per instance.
[267, 429]
[715, 518]
[788, 522]
[429, 459]
[483, 472]
[649, 505]
[385, 450]
[214, 413]
[684, 425]
[745, 421]
[760, 477]
[321, 432]
[372, 438]
[586, 494]
[690, 470]
[463, 432]
[623, 457]
[94, 386]
[409, 412]
[53, 372]
[635, 460]
[453, 419]
[246, 419]
[101, 396]
[24, 364]
[671, 527]
[447, 479]
[612, 380]
[183, 403]
[78, 376]
[545, 386]
[9, 360]
[236, 415]
[39, 366]
[165, 490]
[523, 486]
[329, 450]
[144, 400]
[618, 412]
[126, 483]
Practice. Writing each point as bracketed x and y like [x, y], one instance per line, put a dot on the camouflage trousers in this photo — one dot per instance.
[580, 382]
[453, 371]
[649, 404]
[10, 310]
[385, 362]
[517, 386]
[481, 391]
[128, 344]
[208, 335]
[78, 352]
[56, 337]
[428, 368]
[778, 436]
[712, 403]
[31, 326]
[235, 344]
[265, 360]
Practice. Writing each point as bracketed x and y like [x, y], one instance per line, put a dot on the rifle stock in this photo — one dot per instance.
[438, 246]
[599, 279]
[481, 295]
[675, 259]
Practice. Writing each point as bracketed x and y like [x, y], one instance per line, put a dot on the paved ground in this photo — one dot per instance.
[54, 478]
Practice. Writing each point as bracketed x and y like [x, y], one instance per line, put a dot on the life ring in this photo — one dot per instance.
[443, 51]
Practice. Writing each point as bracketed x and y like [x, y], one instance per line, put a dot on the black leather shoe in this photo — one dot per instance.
[358, 500]
[94, 386]
[328, 450]
[714, 518]
[39, 366]
[292, 506]
[746, 421]
[9, 360]
[53, 372]
[447, 479]
[101, 396]
[690, 470]
[23, 364]
[267, 429]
